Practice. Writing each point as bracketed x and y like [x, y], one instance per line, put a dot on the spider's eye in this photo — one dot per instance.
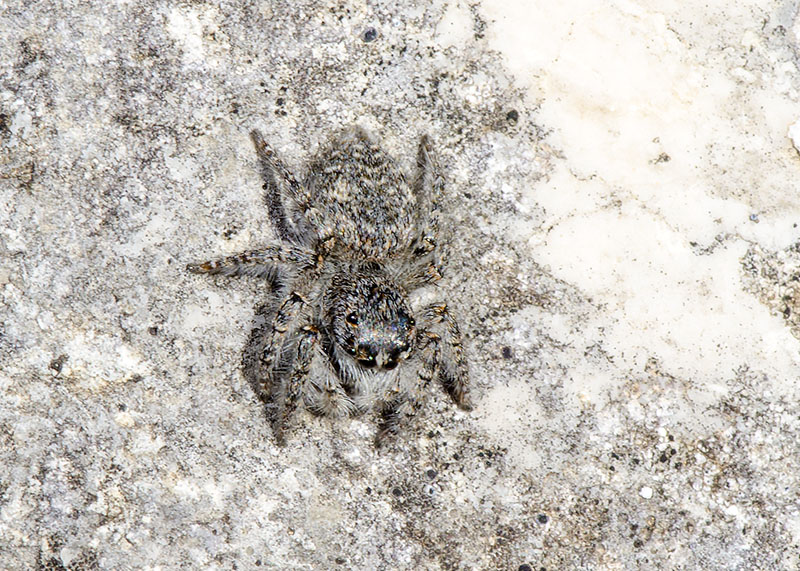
[411, 322]
[352, 320]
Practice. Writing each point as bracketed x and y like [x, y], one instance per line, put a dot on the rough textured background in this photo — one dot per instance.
[636, 401]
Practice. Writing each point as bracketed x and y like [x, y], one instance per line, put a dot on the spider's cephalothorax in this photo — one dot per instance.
[355, 239]
[368, 317]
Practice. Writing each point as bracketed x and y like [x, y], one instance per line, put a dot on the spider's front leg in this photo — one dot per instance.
[442, 356]
[291, 380]
[285, 360]
[447, 354]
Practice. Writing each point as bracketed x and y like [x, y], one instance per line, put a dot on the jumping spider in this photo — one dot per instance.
[355, 239]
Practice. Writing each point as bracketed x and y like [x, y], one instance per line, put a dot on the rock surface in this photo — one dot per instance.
[624, 252]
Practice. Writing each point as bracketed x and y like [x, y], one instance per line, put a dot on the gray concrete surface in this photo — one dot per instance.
[129, 437]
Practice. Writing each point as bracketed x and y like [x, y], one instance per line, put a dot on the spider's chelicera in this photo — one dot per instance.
[355, 239]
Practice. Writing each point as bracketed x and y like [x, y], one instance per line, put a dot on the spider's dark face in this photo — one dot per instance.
[370, 319]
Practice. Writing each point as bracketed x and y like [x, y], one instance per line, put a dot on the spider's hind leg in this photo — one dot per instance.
[281, 187]
[423, 260]
[428, 188]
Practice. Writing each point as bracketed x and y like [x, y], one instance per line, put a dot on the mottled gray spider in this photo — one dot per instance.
[355, 239]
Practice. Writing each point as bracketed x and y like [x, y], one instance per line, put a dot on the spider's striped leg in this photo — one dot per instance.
[277, 351]
[263, 263]
[450, 364]
[291, 378]
[281, 188]
[419, 273]
[428, 188]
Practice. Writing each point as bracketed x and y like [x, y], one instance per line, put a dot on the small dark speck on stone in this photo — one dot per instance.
[754, 218]
[431, 473]
[368, 490]
[663, 458]
[512, 116]
[397, 492]
[467, 195]
[280, 101]
[152, 330]
[370, 34]
[58, 363]
[122, 407]
[456, 456]
[258, 562]
[638, 543]
[542, 518]
[340, 560]
[507, 353]
[525, 567]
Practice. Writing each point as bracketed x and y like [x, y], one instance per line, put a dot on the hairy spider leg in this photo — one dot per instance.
[280, 186]
[262, 263]
[292, 380]
[451, 365]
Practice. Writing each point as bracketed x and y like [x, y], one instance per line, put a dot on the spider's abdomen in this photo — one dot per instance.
[356, 193]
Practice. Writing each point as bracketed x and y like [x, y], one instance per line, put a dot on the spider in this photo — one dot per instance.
[355, 238]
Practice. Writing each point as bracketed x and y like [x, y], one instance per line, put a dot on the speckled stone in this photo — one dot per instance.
[635, 406]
